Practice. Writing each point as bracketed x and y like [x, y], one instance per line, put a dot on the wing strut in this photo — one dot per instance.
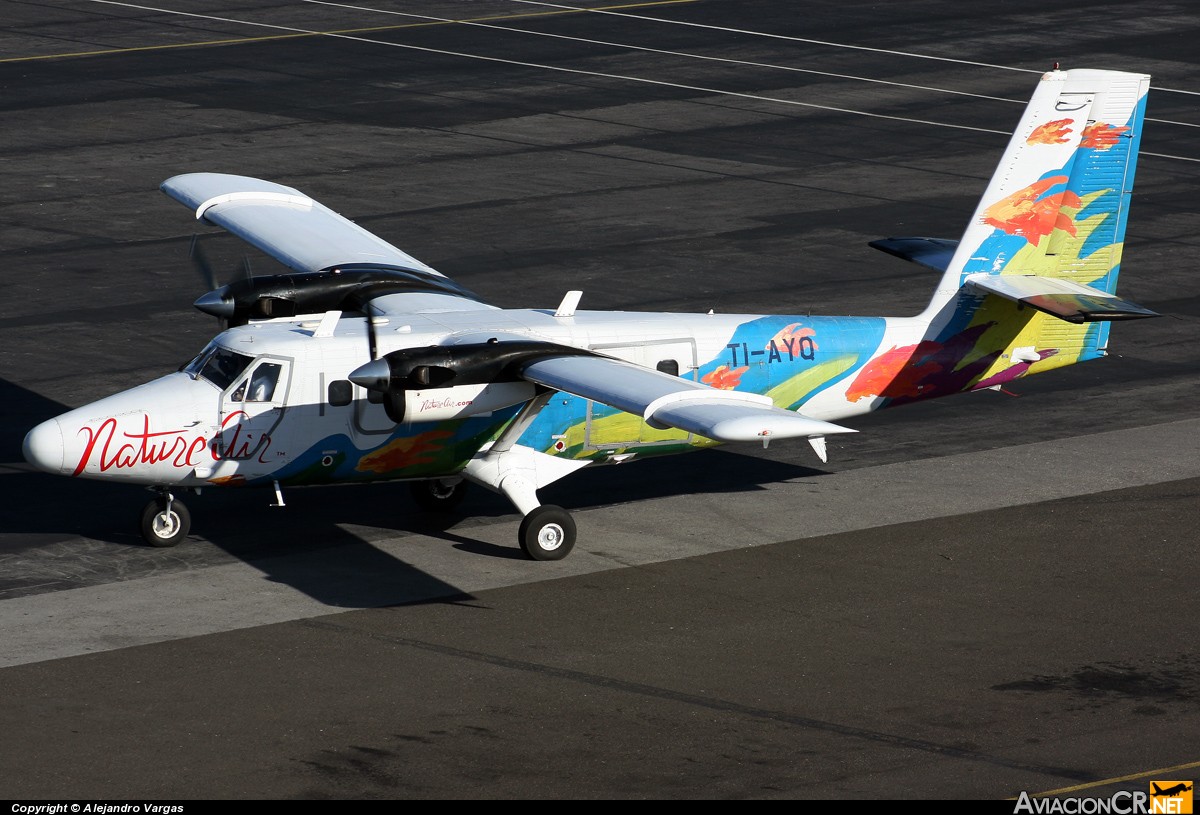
[519, 424]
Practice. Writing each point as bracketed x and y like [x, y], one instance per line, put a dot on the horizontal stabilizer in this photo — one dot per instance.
[935, 253]
[1061, 298]
[668, 401]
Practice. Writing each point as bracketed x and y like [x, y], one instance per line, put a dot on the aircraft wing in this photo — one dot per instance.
[285, 223]
[668, 401]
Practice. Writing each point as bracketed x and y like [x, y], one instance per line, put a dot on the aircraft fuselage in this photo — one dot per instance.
[204, 426]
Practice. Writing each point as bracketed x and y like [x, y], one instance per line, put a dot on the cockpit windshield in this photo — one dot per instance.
[219, 366]
[193, 368]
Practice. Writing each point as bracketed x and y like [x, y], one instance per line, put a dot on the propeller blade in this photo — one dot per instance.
[198, 257]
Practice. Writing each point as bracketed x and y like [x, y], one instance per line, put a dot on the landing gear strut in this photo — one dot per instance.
[165, 520]
[517, 472]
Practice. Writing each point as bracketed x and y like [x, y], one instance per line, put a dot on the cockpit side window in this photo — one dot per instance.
[223, 366]
[263, 382]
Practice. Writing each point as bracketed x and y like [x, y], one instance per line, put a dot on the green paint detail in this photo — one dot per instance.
[617, 433]
[791, 393]
[318, 473]
[625, 428]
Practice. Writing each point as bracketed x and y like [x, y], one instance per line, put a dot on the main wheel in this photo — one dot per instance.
[547, 533]
[435, 495]
[161, 527]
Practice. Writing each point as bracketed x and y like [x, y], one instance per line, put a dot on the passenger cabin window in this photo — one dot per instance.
[669, 366]
[341, 392]
[375, 397]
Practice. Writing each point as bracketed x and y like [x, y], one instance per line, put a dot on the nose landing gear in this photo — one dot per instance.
[165, 520]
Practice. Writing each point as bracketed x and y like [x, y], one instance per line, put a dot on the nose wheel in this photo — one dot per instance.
[547, 533]
[165, 521]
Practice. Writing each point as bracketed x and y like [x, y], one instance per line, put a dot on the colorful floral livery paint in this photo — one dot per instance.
[390, 371]
[1067, 224]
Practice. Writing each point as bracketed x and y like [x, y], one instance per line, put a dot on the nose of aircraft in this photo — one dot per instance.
[43, 447]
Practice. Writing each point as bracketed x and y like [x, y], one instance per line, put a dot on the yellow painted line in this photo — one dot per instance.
[337, 32]
[1160, 773]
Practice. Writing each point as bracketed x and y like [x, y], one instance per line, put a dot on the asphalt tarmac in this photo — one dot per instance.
[974, 597]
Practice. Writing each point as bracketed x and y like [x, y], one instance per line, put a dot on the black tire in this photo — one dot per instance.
[161, 529]
[547, 533]
[438, 496]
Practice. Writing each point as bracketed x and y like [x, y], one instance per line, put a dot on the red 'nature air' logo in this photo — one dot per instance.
[126, 450]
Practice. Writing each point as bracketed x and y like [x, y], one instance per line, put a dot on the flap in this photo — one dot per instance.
[285, 223]
[668, 401]
[1064, 299]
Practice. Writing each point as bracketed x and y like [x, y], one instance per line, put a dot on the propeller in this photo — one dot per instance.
[197, 256]
[216, 300]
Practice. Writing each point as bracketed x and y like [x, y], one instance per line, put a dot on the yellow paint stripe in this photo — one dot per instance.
[338, 32]
[1162, 772]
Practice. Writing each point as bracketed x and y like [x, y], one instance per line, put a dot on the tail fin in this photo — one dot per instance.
[1058, 203]
[1049, 230]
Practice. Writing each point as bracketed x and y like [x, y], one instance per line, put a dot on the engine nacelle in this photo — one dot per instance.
[450, 366]
[458, 402]
[343, 288]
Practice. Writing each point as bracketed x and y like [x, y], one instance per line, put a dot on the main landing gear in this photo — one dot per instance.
[165, 520]
[547, 532]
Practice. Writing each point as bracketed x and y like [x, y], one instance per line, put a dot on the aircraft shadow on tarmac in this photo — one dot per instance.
[59, 533]
[22, 410]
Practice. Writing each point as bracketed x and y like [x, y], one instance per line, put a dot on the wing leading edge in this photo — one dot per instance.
[285, 223]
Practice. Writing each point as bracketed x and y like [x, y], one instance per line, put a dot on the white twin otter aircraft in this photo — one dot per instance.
[367, 365]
